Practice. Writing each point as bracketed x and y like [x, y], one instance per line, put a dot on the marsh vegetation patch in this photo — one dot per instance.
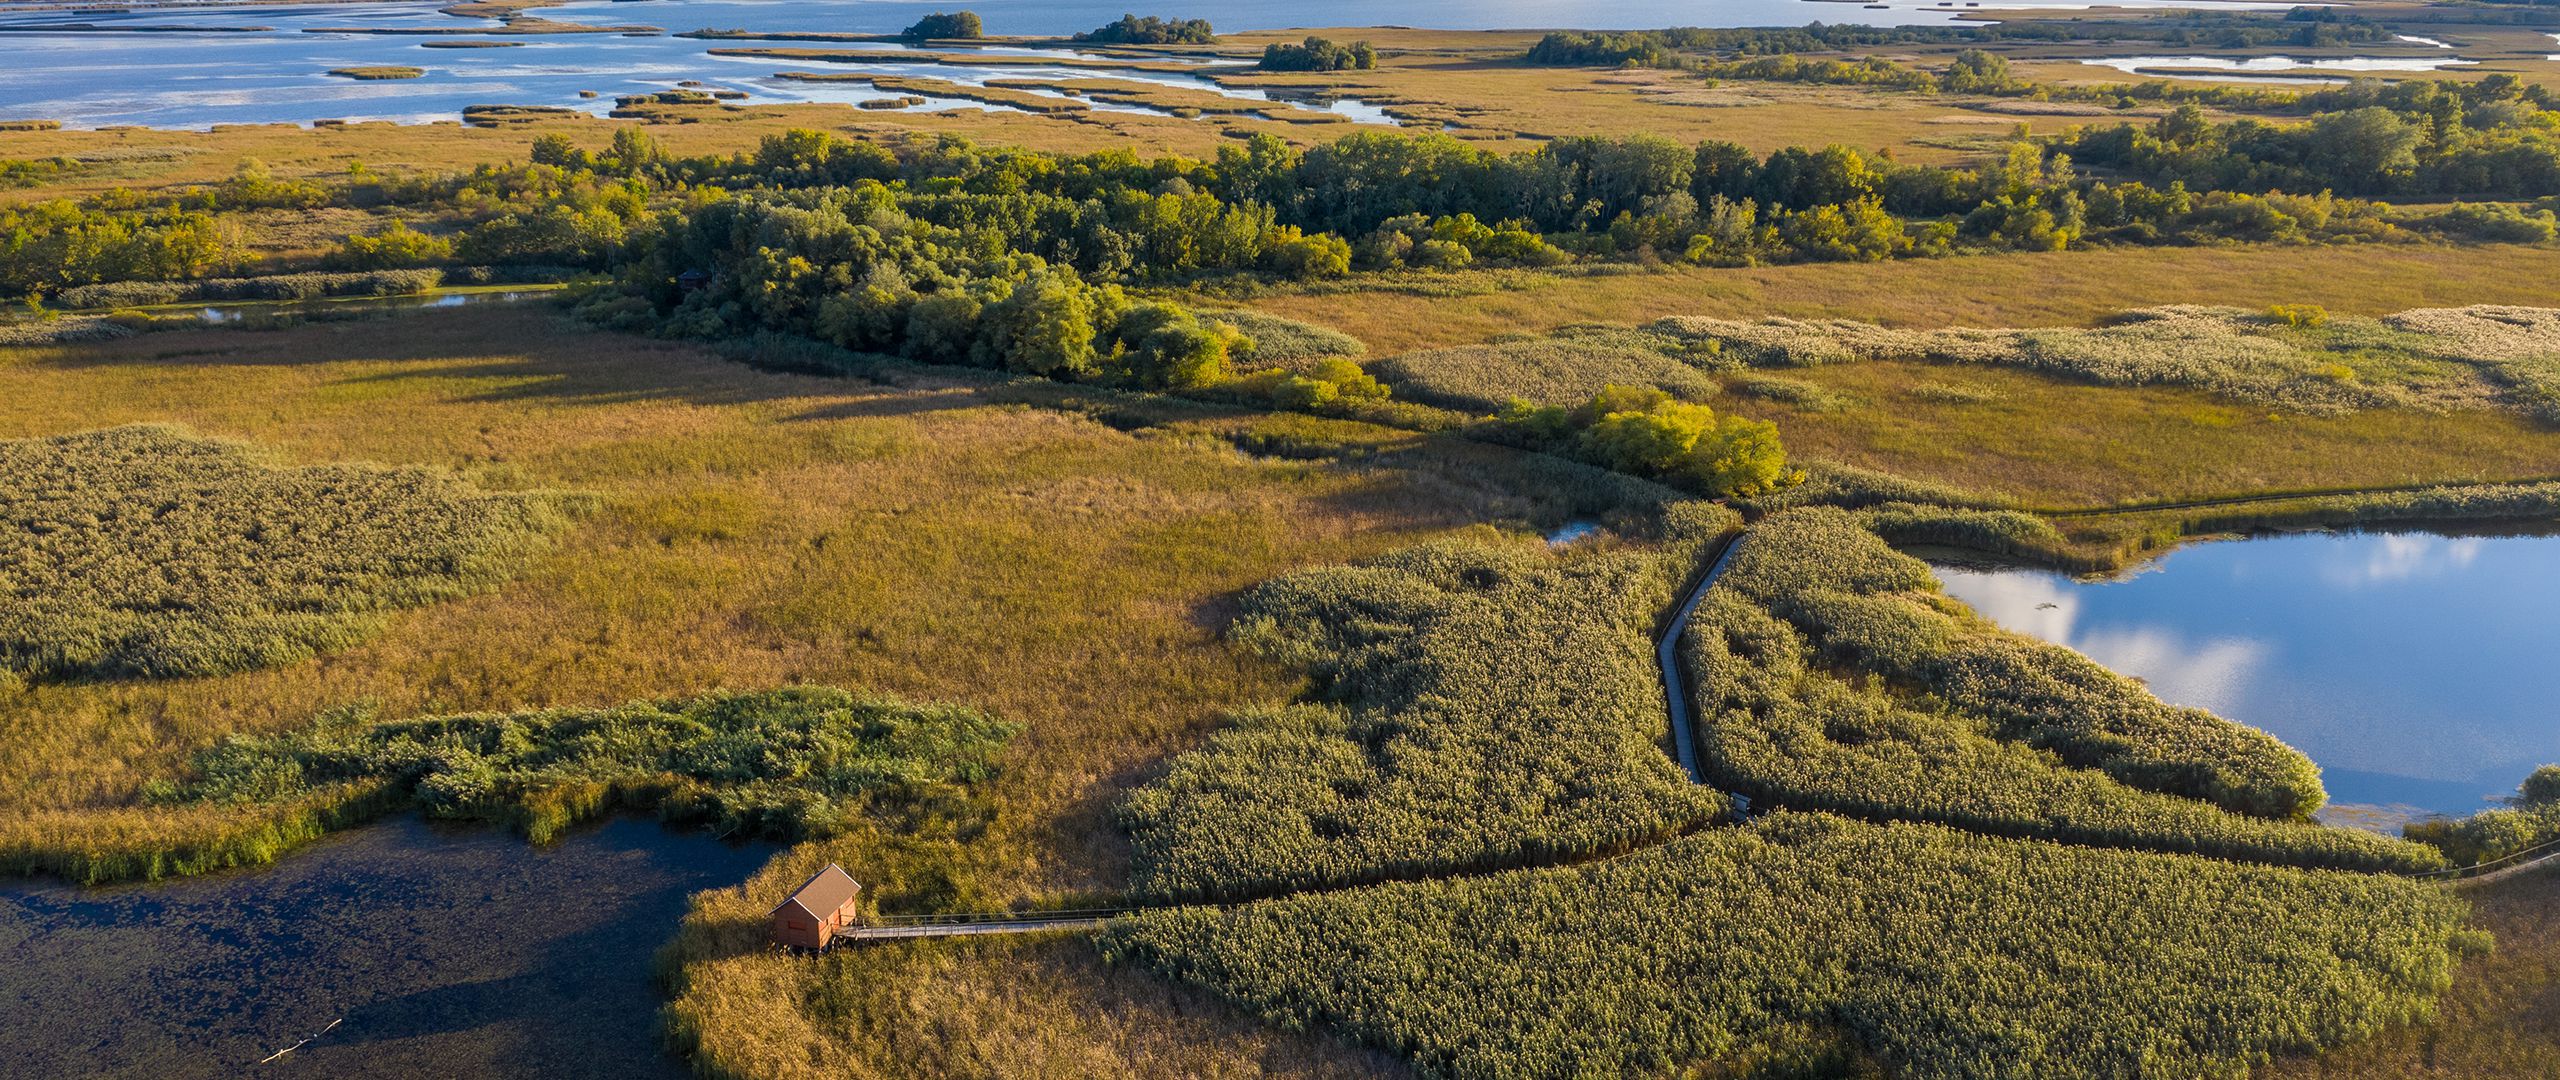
[148, 551]
[2295, 358]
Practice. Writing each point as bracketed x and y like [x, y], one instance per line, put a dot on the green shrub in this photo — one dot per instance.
[1645, 432]
[1933, 953]
[146, 551]
[2299, 316]
[397, 247]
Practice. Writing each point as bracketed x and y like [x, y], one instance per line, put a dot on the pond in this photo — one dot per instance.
[2417, 669]
[445, 951]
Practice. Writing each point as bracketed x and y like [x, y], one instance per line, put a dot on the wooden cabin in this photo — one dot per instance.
[826, 904]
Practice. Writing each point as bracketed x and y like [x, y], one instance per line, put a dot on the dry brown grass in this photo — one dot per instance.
[2061, 288]
[2047, 442]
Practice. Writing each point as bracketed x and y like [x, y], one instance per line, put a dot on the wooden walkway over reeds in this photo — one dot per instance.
[911, 927]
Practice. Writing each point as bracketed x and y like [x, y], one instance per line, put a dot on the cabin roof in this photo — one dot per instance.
[823, 893]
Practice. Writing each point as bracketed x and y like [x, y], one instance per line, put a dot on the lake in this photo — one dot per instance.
[2417, 669]
[446, 951]
[207, 76]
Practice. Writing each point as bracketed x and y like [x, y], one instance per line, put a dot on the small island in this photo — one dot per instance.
[377, 73]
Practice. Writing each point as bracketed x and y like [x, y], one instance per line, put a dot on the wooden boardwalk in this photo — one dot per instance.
[907, 931]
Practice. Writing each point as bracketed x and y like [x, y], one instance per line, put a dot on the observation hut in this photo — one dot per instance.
[817, 910]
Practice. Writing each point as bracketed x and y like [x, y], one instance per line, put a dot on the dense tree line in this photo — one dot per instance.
[2497, 136]
[1382, 200]
[1132, 30]
[59, 243]
[1689, 46]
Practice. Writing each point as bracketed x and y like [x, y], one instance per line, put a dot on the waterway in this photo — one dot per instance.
[2415, 668]
[214, 69]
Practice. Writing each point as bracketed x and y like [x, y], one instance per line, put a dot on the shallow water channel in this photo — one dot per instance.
[446, 951]
[2417, 669]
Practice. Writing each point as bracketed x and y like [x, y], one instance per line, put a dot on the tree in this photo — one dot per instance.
[2367, 151]
[946, 26]
[396, 248]
[1045, 326]
[1318, 54]
[1166, 347]
[1132, 30]
[2542, 788]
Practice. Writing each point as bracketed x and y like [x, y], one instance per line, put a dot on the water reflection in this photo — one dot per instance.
[2414, 668]
[446, 952]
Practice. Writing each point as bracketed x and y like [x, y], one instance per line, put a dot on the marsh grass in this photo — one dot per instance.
[2442, 359]
[1930, 953]
[1566, 368]
[781, 764]
[2438, 360]
[1476, 706]
[932, 538]
[145, 551]
[1287, 343]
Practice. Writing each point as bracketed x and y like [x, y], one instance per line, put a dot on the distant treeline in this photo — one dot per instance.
[1685, 46]
[1132, 30]
[1373, 200]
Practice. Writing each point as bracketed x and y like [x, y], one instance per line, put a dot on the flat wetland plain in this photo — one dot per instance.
[1065, 557]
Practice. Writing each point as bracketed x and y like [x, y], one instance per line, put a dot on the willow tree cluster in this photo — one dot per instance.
[1645, 431]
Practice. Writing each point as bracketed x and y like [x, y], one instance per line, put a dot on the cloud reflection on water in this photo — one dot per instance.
[2210, 673]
